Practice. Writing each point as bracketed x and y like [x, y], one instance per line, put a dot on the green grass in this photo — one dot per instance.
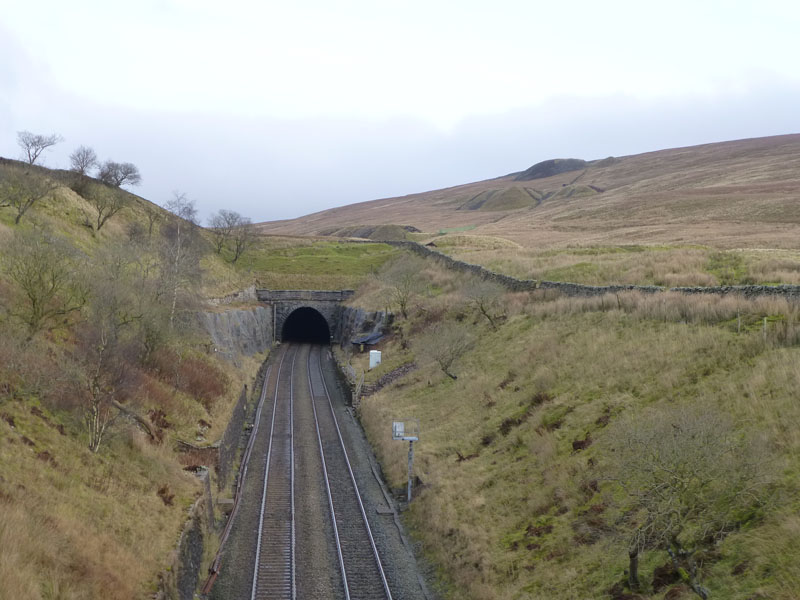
[318, 265]
[729, 268]
[622, 249]
[581, 271]
[446, 230]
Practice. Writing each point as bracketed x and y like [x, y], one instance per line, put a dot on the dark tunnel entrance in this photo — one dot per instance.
[306, 325]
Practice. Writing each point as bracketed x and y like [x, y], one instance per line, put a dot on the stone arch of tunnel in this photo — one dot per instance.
[306, 324]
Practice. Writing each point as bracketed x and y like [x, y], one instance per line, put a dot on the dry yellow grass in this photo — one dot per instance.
[79, 525]
[668, 266]
[505, 521]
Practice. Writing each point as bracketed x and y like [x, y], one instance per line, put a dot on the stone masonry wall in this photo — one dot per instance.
[244, 331]
[180, 581]
[229, 445]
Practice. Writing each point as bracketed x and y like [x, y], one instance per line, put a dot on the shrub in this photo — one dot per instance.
[191, 374]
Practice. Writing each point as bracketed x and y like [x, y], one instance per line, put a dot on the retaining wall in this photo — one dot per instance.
[229, 445]
[239, 332]
[180, 581]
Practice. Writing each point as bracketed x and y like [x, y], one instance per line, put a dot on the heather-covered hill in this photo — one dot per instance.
[732, 194]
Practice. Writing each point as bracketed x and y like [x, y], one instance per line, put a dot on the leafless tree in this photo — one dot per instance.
[180, 251]
[21, 189]
[153, 214]
[222, 225]
[33, 144]
[403, 281]
[119, 174]
[243, 236]
[444, 343]
[486, 297]
[106, 202]
[46, 271]
[108, 339]
[182, 208]
[82, 160]
[690, 478]
[147, 293]
[104, 371]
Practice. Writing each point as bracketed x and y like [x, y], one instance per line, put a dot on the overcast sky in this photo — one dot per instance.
[278, 109]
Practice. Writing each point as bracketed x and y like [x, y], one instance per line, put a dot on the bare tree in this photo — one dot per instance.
[106, 202]
[222, 225]
[486, 297]
[108, 337]
[119, 174]
[82, 160]
[690, 478]
[148, 293]
[403, 282]
[182, 208]
[33, 144]
[21, 189]
[103, 374]
[153, 214]
[44, 270]
[180, 250]
[243, 236]
[445, 343]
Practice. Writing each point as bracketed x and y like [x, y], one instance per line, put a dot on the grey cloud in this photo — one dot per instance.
[271, 168]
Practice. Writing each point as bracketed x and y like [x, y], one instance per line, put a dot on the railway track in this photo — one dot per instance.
[356, 556]
[274, 572]
[362, 573]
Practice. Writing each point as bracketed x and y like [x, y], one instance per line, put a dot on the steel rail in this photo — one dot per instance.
[327, 484]
[262, 511]
[367, 527]
[217, 564]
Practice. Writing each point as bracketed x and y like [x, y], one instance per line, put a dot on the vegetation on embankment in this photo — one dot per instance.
[517, 454]
[313, 264]
[684, 265]
[103, 369]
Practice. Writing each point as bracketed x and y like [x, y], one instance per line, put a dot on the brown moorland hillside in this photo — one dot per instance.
[731, 194]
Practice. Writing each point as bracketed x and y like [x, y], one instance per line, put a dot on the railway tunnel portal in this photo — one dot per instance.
[305, 315]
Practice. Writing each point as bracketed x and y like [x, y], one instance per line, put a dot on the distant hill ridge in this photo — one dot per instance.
[739, 193]
[548, 168]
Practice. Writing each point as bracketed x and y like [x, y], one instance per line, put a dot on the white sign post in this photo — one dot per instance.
[407, 430]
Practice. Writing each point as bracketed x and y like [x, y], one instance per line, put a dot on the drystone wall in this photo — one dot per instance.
[791, 292]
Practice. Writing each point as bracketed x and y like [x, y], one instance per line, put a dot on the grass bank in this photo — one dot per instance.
[636, 264]
[513, 502]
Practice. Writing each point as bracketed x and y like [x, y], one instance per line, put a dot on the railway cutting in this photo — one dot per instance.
[312, 522]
